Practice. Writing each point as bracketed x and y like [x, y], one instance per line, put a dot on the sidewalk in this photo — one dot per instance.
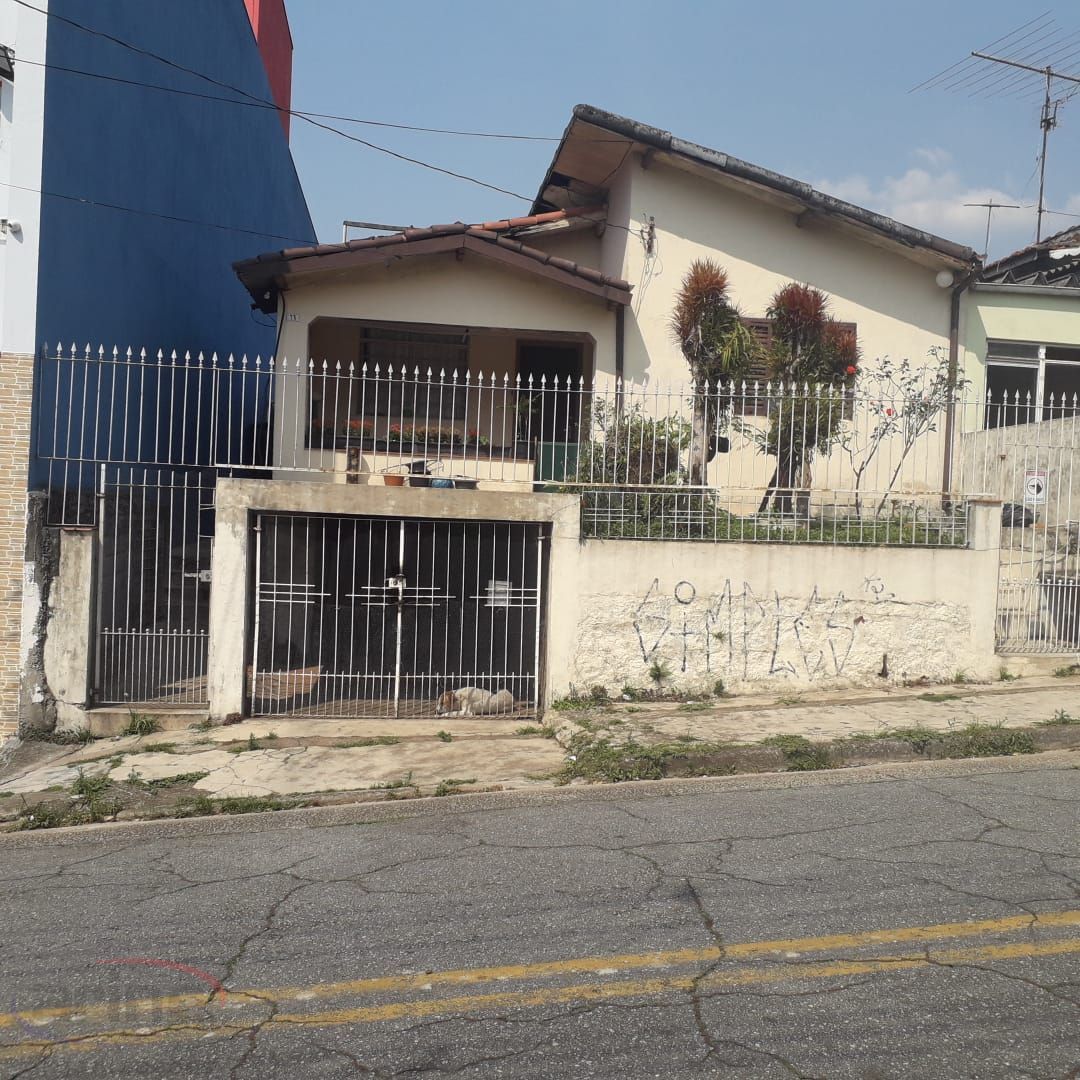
[351, 760]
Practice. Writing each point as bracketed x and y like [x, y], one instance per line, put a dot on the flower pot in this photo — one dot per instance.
[394, 479]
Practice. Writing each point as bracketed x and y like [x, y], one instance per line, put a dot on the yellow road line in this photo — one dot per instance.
[580, 992]
[907, 935]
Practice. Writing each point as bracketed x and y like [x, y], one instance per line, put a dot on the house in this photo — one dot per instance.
[583, 288]
[442, 475]
[138, 164]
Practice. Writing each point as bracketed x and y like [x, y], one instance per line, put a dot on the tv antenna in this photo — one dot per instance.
[990, 206]
[1037, 56]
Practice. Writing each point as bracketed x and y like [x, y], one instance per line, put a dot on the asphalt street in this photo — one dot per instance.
[909, 921]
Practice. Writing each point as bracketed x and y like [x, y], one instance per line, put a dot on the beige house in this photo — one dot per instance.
[622, 212]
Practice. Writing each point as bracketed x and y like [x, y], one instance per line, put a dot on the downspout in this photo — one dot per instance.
[954, 371]
[620, 352]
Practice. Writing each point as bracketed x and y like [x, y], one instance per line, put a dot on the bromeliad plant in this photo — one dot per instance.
[719, 349]
[811, 350]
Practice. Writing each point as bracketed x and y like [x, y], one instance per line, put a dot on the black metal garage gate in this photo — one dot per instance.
[359, 616]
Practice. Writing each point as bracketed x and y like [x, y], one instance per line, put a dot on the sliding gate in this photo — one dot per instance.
[359, 616]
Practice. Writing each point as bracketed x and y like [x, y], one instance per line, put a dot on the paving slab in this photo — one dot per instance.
[736, 720]
[306, 769]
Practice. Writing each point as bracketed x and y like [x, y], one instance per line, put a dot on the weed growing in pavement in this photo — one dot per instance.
[452, 787]
[596, 697]
[694, 707]
[158, 748]
[939, 697]
[1005, 675]
[142, 724]
[599, 760]
[1060, 719]
[960, 677]
[800, 754]
[174, 780]
[249, 804]
[984, 740]
[546, 731]
[391, 786]
[194, 806]
[203, 725]
[790, 699]
[78, 737]
[444, 736]
[374, 740]
[1066, 671]
[88, 802]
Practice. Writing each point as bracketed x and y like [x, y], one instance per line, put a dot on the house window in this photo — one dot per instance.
[762, 329]
[404, 392]
[1026, 382]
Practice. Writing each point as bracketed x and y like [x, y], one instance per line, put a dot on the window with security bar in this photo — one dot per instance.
[1027, 381]
[762, 329]
[405, 393]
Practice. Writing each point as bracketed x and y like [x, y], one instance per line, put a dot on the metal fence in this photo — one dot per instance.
[876, 463]
[1031, 459]
[132, 443]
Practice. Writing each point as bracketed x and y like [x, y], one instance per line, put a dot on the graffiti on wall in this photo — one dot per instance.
[735, 629]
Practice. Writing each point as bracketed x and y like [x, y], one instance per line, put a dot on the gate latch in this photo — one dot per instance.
[202, 576]
[397, 584]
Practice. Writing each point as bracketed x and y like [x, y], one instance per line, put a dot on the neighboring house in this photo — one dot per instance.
[127, 188]
[1023, 332]
[1022, 338]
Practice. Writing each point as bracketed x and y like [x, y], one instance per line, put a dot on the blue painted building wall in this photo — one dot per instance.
[116, 277]
[133, 277]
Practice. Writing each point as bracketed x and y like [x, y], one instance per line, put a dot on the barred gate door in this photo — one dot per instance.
[155, 535]
[1035, 468]
[377, 616]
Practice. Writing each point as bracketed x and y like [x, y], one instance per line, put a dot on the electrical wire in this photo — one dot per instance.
[269, 105]
[253, 97]
[306, 241]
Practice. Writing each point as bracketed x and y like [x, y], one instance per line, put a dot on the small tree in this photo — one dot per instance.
[810, 348]
[719, 349]
[904, 404]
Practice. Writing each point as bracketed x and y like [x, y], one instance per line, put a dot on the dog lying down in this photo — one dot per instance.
[472, 701]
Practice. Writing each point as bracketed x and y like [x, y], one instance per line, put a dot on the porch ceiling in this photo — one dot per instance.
[267, 275]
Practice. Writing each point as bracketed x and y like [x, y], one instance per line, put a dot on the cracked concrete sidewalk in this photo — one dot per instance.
[308, 756]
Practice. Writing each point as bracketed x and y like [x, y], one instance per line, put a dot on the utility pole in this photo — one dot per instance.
[990, 207]
[1048, 120]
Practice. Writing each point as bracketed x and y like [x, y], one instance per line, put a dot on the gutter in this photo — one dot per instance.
[1060, 291]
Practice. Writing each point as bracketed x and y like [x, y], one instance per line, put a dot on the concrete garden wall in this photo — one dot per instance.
[777, 615]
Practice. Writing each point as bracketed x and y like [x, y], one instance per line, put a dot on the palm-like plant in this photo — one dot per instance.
[810, 347]
[719, 349]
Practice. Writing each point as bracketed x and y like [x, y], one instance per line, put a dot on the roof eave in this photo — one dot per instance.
[956, 256]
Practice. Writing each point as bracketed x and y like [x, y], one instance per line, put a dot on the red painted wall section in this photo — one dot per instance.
[270, 22]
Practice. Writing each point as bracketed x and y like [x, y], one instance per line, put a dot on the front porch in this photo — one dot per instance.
[443, 405]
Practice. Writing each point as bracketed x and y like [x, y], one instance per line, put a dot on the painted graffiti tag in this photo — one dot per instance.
[735, 629]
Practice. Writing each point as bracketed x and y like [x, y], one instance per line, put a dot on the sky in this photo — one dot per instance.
[819, 92]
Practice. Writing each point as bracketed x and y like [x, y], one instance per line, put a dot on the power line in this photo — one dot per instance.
[85, 201]
[253, 97]
[269, 105]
